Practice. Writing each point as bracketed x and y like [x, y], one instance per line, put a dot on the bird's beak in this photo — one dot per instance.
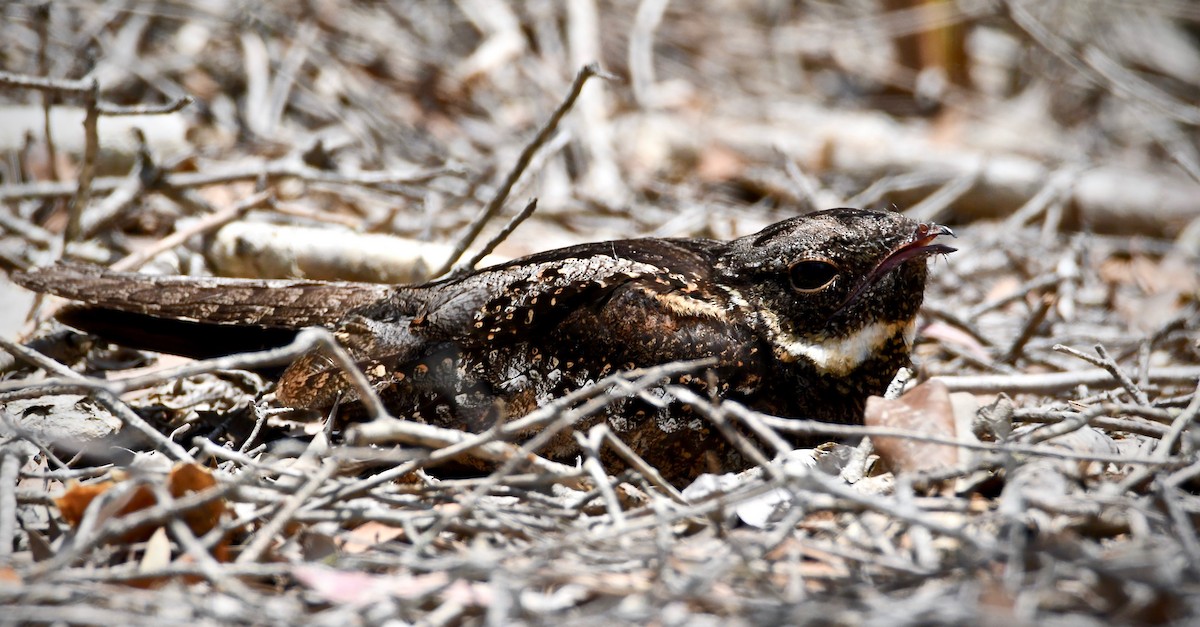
[921, 244]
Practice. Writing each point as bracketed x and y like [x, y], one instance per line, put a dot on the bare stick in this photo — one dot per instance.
[136, 259]
[53, 85]
[38, 360]
[1101, 69]
[1058, 186]
[641, 49]
[10, 468]
[487, 249]
[87, 170]
[486, 446]
[271, 170]
[264, 536]
[1165, 446]
[304, 342]
[934, 204]
[1029, 330]
[643, 467]
[93, 108]
[1181, 423]
[113, 110]
[42, 17]
[131, 419]
[590, 445]
[801, 426]
[142, 176]
[1051, 382]
[1106, 362]
[497, 202]
[208, 565]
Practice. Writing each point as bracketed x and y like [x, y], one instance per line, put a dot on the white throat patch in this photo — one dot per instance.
[838, 356]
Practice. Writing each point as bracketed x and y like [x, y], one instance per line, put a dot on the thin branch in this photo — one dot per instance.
[271, 171]
[81, 87]
[173, 106]
[469, 265]
[263, 538]
[136, 259]
[87, 170]
[42, 18]
[496, 203]
[1052, 382]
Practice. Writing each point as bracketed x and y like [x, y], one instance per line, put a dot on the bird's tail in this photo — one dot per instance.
[195, 316]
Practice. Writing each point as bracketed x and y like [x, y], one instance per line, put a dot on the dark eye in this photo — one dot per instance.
[812, 275]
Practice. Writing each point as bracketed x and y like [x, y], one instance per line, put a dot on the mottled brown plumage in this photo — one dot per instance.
[805, 319]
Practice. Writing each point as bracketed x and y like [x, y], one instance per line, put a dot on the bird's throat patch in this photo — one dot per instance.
[839, 356]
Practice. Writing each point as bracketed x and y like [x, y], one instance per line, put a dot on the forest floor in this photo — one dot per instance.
[1039, 465]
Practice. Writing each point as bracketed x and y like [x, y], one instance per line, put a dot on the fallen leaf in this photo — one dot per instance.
[188, 479]
[949, 334]
[347, 587]
[78, 497]
[184, 479]
[366, 536]
[925, 410]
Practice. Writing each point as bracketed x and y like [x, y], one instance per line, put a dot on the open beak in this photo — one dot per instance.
[921, 244]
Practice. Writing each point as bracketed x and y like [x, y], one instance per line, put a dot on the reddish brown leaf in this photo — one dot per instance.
[183, 479]
[925, 410]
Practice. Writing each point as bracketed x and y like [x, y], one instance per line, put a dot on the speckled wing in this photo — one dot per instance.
[402, 342]
[449, 349]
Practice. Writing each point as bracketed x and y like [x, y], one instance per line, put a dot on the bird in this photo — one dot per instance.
[806, 318]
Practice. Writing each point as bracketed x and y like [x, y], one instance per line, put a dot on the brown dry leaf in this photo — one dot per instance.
[183, 479]
[925, 409]
[366, 536]
[188, 479]
[75, 501]
[78, 496]
[948, 334]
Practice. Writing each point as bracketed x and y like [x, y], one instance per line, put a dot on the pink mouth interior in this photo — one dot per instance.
[922, 247]
[919, 248]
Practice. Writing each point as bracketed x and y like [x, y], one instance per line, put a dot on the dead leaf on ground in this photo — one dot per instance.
[348, 587]
[925, 410]
[949, 334]
[366, 536]
[184, 479]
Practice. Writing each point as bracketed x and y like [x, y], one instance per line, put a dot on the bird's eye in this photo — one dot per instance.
[811, 275]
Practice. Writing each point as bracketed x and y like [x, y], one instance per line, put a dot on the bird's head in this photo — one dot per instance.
[833, 287]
